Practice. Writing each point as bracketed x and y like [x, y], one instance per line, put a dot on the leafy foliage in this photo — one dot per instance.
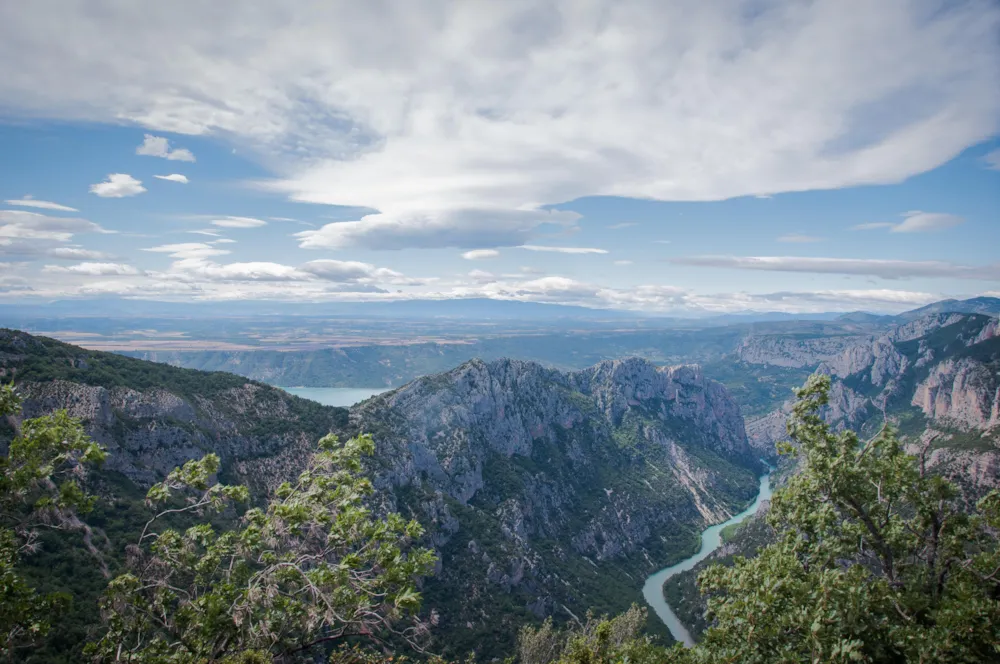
[596, 641]
[40, 488]
[315, 566]
[875, 561]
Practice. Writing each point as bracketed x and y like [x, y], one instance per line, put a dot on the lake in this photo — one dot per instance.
[335, 396]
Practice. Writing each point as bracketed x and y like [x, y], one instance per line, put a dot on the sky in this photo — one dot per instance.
[683, 157]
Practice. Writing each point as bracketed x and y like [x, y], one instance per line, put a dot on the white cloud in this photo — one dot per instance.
[95, 269]
[118, 185]
[249, 271]
[921, 222]
[157, 146]
[675, 300]
[463, 229]
[76, 253]
[347, 271]
[512, 106]
[563, 250]
[173, 177]
[626, 224]
[193, 266]
[238, 222]
[33, 226]
[206, 231]
[915, 222]
[482, 276]
[623, 262]
[799, 238]
[28, 201]
[188, 250]
[887, 269]
[477, 254]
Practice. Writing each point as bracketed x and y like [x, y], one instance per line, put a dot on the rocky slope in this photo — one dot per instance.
[545, 493]
[152, 417]
[936, 377]
[552, 492]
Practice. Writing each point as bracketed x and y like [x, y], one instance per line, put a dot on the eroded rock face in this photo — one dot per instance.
[945, 365]
[961, 392]
[790, 351]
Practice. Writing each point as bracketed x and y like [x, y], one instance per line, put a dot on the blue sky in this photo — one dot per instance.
[670, 157]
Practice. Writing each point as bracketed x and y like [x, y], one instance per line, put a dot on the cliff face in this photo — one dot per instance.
[937, 377]
[963, 393]
[795, 351]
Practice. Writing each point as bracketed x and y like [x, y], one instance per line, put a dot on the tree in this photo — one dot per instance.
[40, 487]
[597, 641]
[314, 567]
[875, 560]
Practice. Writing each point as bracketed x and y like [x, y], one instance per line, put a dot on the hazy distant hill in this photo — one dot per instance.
[989, 306]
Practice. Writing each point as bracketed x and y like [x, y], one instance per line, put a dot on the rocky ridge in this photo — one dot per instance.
[591, 479]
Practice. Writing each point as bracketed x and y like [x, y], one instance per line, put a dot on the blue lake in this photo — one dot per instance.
[335, 396]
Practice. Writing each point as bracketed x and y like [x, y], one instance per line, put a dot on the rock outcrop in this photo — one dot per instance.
[964, 393]
[795, 351]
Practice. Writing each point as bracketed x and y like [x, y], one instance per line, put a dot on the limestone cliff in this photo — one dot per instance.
[936, 377]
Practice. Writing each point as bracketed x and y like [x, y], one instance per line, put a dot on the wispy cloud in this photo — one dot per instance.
[76, 253]
[478, 254]
[625, 224]
[915, 222]
[887, 269]
[563, 250]
[118, 185]
[462, 229]
[922, 222]
[238, 222]
[28, 201]
[173, 177]
[188, 250]
[157, 146]
[94, 269]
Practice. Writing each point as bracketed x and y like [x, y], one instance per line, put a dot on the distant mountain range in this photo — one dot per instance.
[459, 309]
[988, 306]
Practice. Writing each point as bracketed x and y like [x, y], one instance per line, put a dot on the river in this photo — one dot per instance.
[711, 538]
[335, 396]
